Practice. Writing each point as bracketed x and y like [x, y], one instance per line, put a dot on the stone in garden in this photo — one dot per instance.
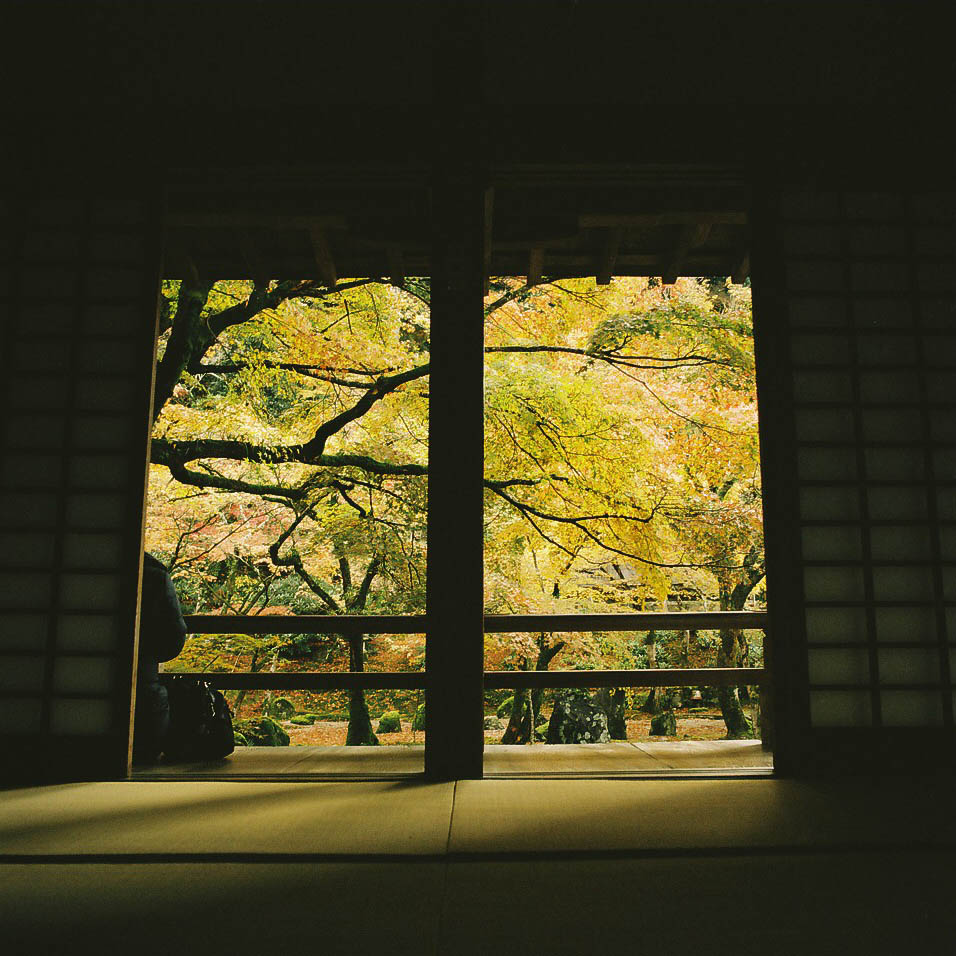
[261, 732]
[504, 708]
[664, 725]
[576, 719]
[282, 708]
[302, 720]
[389, 723]
[494, 723]
[613, 702]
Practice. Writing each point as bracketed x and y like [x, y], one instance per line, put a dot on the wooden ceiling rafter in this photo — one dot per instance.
[691, 236]
[324, 264]
[535, 265]
[607, 257]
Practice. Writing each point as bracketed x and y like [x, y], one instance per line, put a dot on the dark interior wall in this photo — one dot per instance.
[118, 85]
[121, 98]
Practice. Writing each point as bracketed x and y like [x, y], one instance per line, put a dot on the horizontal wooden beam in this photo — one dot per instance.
[494, 623]
[342, 680]
[729, 217]
[493, 680]
[304, 624]
[657, 677]
[242, 220]
[650, 621]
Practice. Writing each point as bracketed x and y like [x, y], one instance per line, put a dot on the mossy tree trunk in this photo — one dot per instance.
[526, 705]
[650, 705]
[738, 723]
[360, 733]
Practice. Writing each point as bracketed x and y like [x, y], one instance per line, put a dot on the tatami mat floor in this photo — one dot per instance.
[533, 866]
[656, 757]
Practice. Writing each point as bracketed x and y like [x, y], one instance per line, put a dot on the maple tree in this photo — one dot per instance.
[290, 458]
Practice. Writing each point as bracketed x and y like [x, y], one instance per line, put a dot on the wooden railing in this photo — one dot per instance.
[494, 624]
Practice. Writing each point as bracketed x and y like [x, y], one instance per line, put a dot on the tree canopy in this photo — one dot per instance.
[290, 452]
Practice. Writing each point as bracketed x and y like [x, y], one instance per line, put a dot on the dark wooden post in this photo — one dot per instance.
[455, 661]
[461, 219]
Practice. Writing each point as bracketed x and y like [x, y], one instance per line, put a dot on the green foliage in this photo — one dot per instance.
[389, 723]
[261, 732]
[418, 721]
[620, 452]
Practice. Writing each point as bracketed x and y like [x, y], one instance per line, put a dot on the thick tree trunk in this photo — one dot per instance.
[526, 706]
[738, 723]
[359, 732]
[650, 705]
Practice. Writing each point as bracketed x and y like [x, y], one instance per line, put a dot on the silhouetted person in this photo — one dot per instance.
[162, 634]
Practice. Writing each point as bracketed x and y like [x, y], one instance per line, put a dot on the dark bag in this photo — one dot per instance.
[200, 723]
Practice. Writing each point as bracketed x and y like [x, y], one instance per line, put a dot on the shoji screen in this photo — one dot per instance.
[867, 282]
[79, 310]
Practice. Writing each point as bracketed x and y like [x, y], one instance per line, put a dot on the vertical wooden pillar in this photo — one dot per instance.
[455, 650]
[460, 220]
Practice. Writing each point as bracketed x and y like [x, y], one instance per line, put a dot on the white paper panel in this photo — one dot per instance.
[905, 624]
[83, 675]
[82, 717]
[817, 311]
[879, 313]
[96, 511]
[95, 432]
[827, 463]
[902, 503]
[840, 708]
[819, 349]
[114, 283]
[903, 584]
[838, 666]
[23, 674]
[878, 349]
[38, 393]
[23, 632]
[907, 542]
[103, 472]
[831, 543]
[30, 469]
[893, 424]
[24, 549]
[830, 503]
[86, 632]
[106, 394]
[876, 239]
[833, 584]
[911, 708]
[94, 551]
[825, 385]
[25, 590]
[835, 624]
[108, 355]
[889, 385]
[878, 276]
[895, 463]
[905, 666]
[35, 431]
[93, 592]
[33, 511]
[21, 715]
